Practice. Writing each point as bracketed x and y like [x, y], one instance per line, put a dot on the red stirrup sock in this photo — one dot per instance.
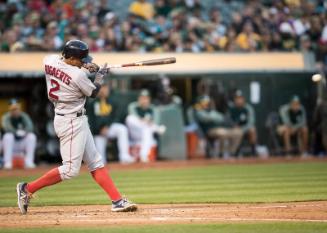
[102, 177]
[49, 178]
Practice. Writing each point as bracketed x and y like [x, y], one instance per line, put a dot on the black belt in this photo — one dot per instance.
[78, 114]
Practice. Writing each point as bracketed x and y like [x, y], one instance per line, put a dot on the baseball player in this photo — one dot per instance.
[215, 126]
[141, 126]
[19, 136]
[68, 87]
[294, 122]
[104, 124]
[243, 117]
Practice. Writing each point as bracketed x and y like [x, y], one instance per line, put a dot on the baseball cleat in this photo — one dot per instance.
[23, 197]
[123, 205]
[30, 165]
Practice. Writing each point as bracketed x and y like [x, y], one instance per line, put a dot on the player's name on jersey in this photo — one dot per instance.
[59, 74]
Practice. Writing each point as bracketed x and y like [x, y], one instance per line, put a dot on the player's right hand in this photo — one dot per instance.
[103, 71]
[20, 133]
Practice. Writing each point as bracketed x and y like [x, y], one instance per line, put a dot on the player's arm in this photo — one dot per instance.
[96, 90]
[283, 112]
[303, 119]
[6, 124]
[89, 88]
[28, 123]
[98, 81]
[251, 118]
[132, 109]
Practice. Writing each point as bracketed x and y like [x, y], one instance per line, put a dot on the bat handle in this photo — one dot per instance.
[114, 66]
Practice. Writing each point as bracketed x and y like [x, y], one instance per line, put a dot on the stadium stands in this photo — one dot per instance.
[179, 26]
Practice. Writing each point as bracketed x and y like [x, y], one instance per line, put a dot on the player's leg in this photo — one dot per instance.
[222, 135]
[303, 131]
[8, 148]
[286, 133]
[72, 142]
[235, 135]
[93, 160]
[252, 135]
[146, 144]
[29, 146]
[120, 132]
[143, 133]
[100, 174]
[134, 126]
[101, 144]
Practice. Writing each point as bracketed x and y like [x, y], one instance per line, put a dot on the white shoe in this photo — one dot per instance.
[226, 156]
[305, 155]
[30, 165]
[144, 159]
[161, 129]
[7, 166]
[128, 159]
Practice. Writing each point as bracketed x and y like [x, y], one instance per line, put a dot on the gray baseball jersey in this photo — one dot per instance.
[68, 86]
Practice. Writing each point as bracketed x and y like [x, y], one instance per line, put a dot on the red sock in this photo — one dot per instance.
[102, 177]
[49, 178]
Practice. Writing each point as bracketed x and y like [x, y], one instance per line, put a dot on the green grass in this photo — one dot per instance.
[212, 184]
[191, 228]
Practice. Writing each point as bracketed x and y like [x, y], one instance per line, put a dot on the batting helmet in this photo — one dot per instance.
[77, 49]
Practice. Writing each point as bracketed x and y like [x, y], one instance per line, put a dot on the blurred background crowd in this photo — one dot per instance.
[166, 25]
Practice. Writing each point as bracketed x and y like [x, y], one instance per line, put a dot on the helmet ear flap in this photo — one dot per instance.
[64, 52]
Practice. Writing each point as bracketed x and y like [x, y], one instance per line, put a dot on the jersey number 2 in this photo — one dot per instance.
[55, 87]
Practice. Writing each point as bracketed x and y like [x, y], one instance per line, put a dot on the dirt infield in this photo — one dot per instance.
[100, 215]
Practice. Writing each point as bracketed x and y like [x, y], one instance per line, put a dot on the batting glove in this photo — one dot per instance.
[103, 71]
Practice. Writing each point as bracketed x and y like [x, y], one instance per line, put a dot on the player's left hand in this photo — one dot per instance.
[20, 133]
[103, 69]
[104, 131]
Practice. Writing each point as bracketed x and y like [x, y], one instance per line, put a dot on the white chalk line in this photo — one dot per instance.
[211, 219]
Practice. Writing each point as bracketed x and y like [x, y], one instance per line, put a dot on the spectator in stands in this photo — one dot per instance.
[248, 40]
[294, 123]
[162, 8]
[103, 123]
[142, 8]
[10, 42]
[51, 37]
[214, 125]
[178, 26]
[141, 126]
[243, 117]
[18, 135]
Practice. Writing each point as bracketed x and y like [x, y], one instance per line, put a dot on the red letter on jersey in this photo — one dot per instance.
[55, 87]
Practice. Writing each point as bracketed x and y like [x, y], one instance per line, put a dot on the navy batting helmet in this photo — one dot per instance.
[77, 49]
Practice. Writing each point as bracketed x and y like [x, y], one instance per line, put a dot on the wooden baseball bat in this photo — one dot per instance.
[152, 62]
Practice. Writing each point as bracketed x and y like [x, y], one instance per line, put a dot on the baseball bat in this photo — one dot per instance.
[152, 62]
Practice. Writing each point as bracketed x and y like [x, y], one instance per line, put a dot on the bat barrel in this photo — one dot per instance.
[153, 62]
[161, 61]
